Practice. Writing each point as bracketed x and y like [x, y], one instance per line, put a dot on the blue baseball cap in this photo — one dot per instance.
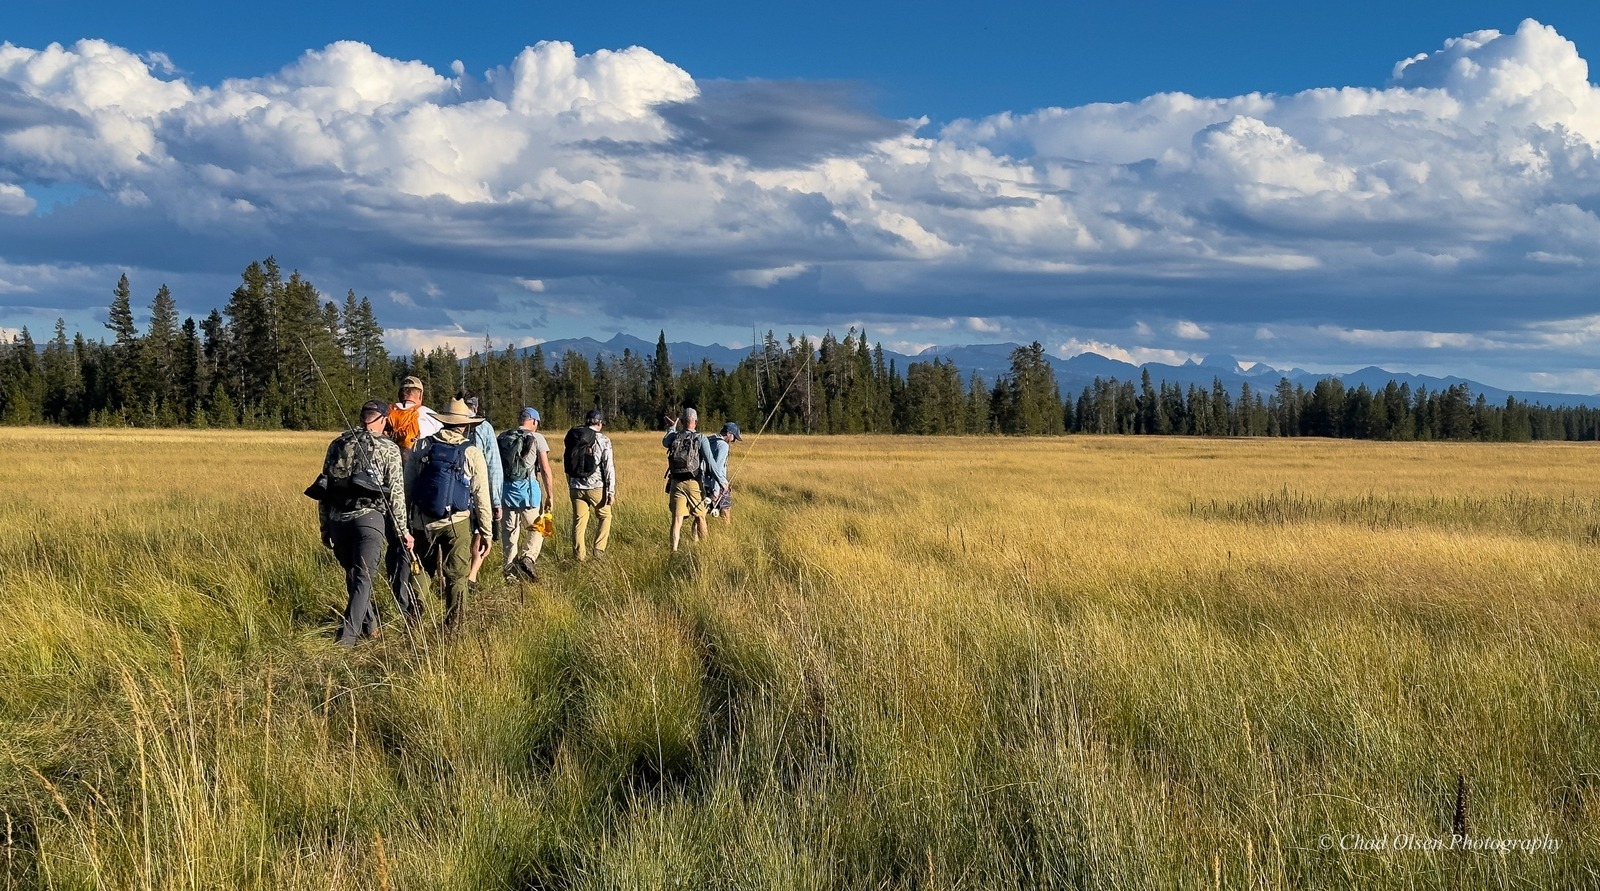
[732, 428]
[530, 414]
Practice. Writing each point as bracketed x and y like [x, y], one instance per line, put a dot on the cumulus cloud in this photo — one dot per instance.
[1134, 355]
[614, 184]
[15, 201]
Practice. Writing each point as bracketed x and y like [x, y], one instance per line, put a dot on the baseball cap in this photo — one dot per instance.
[411, 383]
[472, 403]
[594, 415]
[529, 414]
[690, 415]
[373, 409]
[733, 428]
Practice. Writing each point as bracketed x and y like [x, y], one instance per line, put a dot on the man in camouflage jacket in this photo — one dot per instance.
[357, 527]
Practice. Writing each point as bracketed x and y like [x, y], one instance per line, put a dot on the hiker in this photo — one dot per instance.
[483, 438]
[360, 499]
[688, 455]
[409, 419]
[714, 479]
[447, 486]
[591, 482]
[526, 457]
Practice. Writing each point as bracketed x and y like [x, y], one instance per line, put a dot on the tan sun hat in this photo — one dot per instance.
[456, 413]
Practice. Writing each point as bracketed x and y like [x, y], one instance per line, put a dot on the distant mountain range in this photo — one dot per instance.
[990, 360]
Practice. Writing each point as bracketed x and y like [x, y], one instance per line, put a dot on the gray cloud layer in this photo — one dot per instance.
[1447, 217]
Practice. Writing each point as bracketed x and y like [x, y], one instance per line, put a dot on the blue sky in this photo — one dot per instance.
[1145, 180]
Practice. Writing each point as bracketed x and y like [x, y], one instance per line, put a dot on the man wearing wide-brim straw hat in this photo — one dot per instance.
[447, 485]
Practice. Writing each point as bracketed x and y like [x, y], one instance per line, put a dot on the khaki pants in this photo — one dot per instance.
[684, 499]
[585, 501]
[517, 538]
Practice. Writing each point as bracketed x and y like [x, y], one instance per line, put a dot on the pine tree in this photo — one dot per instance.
[249, 354]
[364, 349]
[124, 357]
[159, 374]
[192, 374]
[1035, 401]
[663, 393]
[63, 377]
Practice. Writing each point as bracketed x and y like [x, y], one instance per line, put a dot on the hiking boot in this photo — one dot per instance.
[525, 567]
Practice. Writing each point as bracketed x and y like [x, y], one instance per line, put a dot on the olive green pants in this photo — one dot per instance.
[448, 550]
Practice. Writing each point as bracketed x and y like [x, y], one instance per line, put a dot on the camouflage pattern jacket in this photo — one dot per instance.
[390, 475]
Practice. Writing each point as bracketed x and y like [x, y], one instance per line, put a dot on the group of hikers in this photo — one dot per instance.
[424, 493]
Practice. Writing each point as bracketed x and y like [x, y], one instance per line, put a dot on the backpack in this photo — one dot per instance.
[683, 456]
[405, 426]
[580, 461]
[515, 444]
[441, 487]
[350, 482]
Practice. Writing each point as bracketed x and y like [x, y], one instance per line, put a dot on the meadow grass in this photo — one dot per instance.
[907, 663]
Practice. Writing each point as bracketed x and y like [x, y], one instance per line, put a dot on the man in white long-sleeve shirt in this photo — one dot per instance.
[591, 481]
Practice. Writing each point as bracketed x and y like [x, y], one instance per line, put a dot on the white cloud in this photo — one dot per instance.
[1133, 355]
[1586, 381]
[15, 201]
[1428, 340]
[908, 347]
[407, 340]
[1463, 180]
[766, 278]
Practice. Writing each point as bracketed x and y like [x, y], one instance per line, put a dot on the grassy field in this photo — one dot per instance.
[909, 663]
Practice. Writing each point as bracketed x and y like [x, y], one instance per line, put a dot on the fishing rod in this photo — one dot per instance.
[775, 406]
[327, 386]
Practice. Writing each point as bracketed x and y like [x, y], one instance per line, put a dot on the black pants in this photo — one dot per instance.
[398, 566]
[358, 545]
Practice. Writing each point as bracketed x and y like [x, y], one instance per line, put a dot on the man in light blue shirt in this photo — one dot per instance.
[714, 477]
[483, 437]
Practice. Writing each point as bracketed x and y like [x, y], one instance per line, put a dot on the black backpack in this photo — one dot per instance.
[514, 446]
[683, 456]
[580, 461]
[351, 480]
[441, 487]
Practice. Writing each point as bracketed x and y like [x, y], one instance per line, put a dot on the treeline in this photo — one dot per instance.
[1329, 408]
[279, 355]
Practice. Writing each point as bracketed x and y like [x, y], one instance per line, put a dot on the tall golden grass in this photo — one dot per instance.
[907, 663]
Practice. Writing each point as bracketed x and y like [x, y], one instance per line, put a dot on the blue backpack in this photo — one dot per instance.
[441, 486]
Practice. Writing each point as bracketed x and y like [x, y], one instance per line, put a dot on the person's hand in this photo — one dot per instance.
[608, 499]
[481, 548]
[411, 543]
[672, 420]
[327, 539]
[497, 514]
[544, 506]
